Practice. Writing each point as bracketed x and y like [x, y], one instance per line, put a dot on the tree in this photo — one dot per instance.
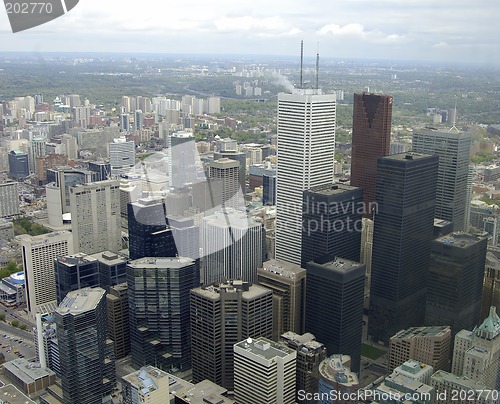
[2, 317]
[23, 327]
[15, 323]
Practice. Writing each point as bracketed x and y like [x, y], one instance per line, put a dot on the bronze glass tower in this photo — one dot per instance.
[371, 137]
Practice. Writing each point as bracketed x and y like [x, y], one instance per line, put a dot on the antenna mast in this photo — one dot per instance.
[301, 61]
[454, 117]
[317, 69]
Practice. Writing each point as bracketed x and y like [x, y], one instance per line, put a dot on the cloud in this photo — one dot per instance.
[355, 30]
[440, 45]
[268, 26]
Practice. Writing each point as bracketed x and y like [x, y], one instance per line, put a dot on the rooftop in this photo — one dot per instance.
[459, 239]
[341, 264]
[9, 394]
[205, 391]
[282, 268]
[26, 371]
[109, 258]
[249, 291]
[77, 259]
[334, 189]
[264, 348]
[334, 369]
[161, 262]
[80, 301]
[431, 331]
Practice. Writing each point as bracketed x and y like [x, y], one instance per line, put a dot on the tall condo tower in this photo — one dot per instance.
[402, 235]
[371, 137]
[453, 149]
[306, 148]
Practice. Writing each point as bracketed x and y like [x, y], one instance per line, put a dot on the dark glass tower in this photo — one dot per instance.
[86, 357]
[371, 137]
[402, 235]
[75, 272]
[148, 230]
[158, 297]
[455, 284]
[331, 222]
[18, 164]
[334, 306]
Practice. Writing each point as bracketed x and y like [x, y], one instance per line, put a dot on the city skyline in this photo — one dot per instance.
[458, 32]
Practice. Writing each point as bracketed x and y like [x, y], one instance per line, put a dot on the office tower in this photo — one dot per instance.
[118, 319]
[336, 283]
[335, 376]
[232, 246]
[222, 315]
[9, 199]
[331, 222]
[182, 150]
[186, 235]
[451, 388]
[402, 234]
[227, 171]
[366, 250]
[148, 229]
[95, 217]
[442, 227]
[101, 168]
[36, 148]
[159, 311]
[18, 165]
[112, 269]
[306, 148]
[87, 363]
[81, 115]
[453, 149]
[269, 187]
[124, 122]
[455, 285]
[147, 385]
[288, 284]
[491, 283]
[431, 345]
[73, 272]
[476, 353]
[271, 369]
[310, 354]
[371, 137]
[121, 156]
[229, 152]
[138, 120]
[39, 253]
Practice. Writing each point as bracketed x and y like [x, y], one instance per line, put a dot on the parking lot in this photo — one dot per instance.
[15, 347]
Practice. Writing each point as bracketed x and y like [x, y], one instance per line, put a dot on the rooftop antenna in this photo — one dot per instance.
[301, 61]
[317, 68]
[454, 117]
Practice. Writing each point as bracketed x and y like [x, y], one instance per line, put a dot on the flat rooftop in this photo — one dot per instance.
[161, 262]
[264, 348]
[282, 268]
[431, 331]
[26, 371]
[80, 301]
[11, 395]
[458, 239]
[334, 189]
[407, 156]
[342, 264]
[249, 292]
[205, 391]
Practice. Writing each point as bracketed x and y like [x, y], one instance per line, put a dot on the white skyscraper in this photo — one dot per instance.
[39, 253]
[95, 217]
[121, 155]
[9, 199]
[306, 149]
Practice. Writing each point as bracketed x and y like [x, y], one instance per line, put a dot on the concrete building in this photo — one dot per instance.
[455, 281]
[221, 316]
[227, 171]
[228, 151]
[310, 354]
[147, 385]
[9, 199]
[430, 345]
[288, 284]
[232, 246]
[12, 290]
[6, 229]
[306, 147]
[95, 217]
[39, 253]
[453, 149]
[336, 283]
[118, 319]
[30, 377]
[271, 369]
[204, 391]
[336, 376]
[10, 394]
[121, 156]
[86, 355]
[491, 282]
[450, 388]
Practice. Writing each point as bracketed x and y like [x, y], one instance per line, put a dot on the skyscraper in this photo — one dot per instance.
[18, 164]
[335, 376]
[159, 310]
[9, 199]
[227, 171]
[453, 149]
[229, 151]
[232, 246]
[86, 356]
[371, 137]
[182, 150]
[95, 217]
[221, 316]
[121, 156]
[402, 234]
[73, 272]
[306, 148]
[332, 223]
[270, 367]
[288, 283]
[336, 283]
[148, 230]
[118, 319]
[455, 283]
[39, 253]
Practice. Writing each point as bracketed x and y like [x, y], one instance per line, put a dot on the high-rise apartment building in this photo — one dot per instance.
[336, 283]
[39, 253]
[9, 199]
[148, 230]
[159, 310]
[371, 137]
[118, 319]
[453, 149]
[306, 148]
[288, 283]
[227, 171]
[331, 216]
[310, 354]
[222, 315]
[95, 217]
[271, 369]
[402, 235]
[232, 246]
[430, 345]
[86, 355]
[455, 284]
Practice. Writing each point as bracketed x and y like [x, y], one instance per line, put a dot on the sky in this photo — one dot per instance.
[455, 31]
